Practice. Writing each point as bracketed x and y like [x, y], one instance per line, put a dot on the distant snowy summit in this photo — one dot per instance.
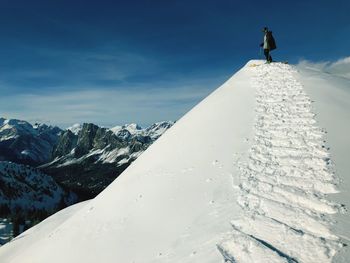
[87, 158]
[84, 157]
[109, 144]
[25, 143]
[75, 128]
[130, 130]
[154, 131]
[22, 142]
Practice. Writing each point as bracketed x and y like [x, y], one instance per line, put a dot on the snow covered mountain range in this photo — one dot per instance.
[25, 143]
[88, 158]
[85, 158]
[265, 188]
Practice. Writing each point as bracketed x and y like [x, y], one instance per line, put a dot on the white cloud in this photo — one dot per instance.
[106, 107]
[104, 87]
[340, 67]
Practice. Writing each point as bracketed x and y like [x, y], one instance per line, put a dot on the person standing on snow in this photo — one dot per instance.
[268, 44]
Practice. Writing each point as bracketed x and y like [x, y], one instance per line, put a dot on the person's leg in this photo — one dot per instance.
[270, 58]
[266, 53]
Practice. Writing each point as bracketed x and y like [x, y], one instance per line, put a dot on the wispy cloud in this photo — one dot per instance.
[108, 85]
[106, 107]
[340, 67]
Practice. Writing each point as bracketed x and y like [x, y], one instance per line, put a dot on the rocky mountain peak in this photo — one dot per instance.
[22, 142]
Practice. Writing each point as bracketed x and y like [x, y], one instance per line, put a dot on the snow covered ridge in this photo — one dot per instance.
[75, 128]
[286, 179]
[106, 145]
[127, 131]
[25, 143]
[10, 128]
[87, 158]
[154, 131]
[178, 201]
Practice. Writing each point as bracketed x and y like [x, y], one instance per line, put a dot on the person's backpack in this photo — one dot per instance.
[271, 41]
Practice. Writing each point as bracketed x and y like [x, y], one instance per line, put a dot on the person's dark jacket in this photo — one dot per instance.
[270, 41]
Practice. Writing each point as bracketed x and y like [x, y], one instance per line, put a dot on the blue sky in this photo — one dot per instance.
[114, 62]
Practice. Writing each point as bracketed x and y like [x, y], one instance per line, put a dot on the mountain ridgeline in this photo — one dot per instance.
[84, 158]
[24, 143]
[44, 168]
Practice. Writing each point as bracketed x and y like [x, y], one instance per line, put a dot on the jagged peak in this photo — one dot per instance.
[75, 128]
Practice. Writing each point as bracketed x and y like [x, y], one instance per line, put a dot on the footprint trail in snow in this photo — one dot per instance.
[283, 185]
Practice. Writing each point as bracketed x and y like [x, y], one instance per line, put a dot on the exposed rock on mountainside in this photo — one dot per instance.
[90, 158]
[24, 143]
[84, 158]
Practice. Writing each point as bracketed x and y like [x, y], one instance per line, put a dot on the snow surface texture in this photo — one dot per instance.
[331, 101]
[175, 202]
[284, 183]
[30, 236]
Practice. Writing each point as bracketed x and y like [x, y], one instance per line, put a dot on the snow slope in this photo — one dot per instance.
[331, 96]
[177, 201]
[43, 228]
[286, 179]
